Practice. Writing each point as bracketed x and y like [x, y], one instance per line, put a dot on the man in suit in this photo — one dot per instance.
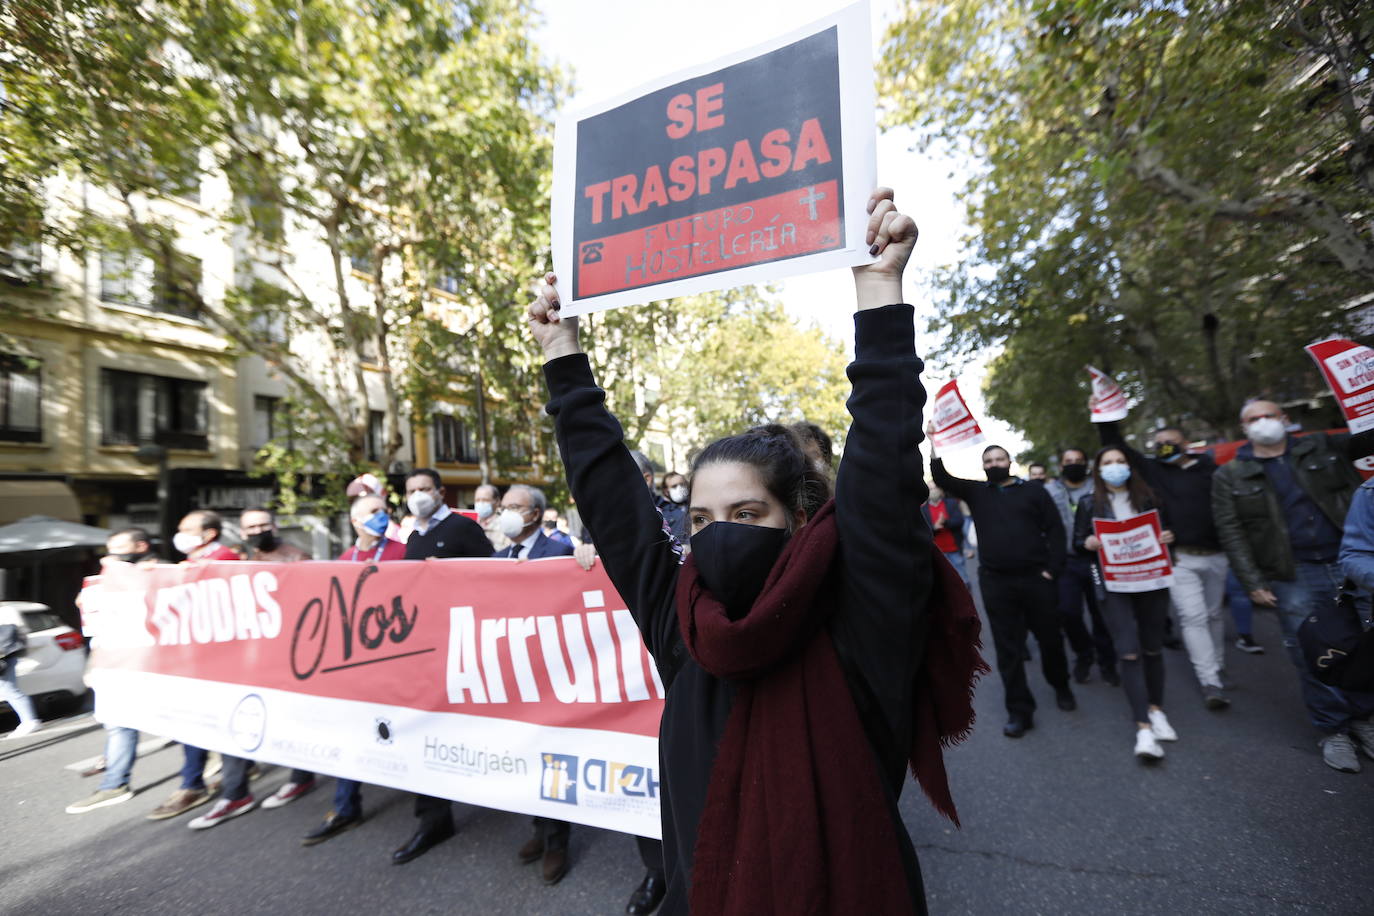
[521, 519]
[439, 532]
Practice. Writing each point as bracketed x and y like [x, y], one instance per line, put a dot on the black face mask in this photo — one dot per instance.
[1074, 473]
[1168, 451]
[263, 542]
[996, 474]
[129, 557]
[734, 561]
[549, 524]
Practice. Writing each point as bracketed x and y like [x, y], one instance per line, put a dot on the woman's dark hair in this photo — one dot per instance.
[776, 453]
[1142, 497]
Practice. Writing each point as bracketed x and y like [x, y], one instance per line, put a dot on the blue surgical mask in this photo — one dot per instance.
[378, 523]
[1116, 474]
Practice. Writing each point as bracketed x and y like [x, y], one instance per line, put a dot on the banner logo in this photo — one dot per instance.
[248, 722]
[385, 735]
[559, 780]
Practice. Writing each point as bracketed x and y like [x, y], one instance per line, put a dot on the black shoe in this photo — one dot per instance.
[1018, 726]
[555, 864]
[422, 841]
[333, 826]
[1063, 698]
[1214, 698]
[1082, 670]
[1173, 642]
[1111, 676]
[533, 850]
[647, 896]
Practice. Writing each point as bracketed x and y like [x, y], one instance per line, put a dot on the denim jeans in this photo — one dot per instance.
[193, 766]
[121, 747]
[1316, 584]
[10, 692]
[348, 798]
[1242, 612]
[956, 559]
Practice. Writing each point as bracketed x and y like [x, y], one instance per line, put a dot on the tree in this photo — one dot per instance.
[405, 140]
[1170, 192]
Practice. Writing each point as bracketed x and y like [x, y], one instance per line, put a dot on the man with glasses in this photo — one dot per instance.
[1280, 507]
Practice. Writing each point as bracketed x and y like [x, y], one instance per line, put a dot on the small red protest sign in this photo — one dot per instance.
[1132, 555]
[1108, 401]
[955, 425]
[1349, 369]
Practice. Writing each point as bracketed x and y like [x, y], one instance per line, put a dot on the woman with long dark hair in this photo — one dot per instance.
[1136, 619]
[792, 640]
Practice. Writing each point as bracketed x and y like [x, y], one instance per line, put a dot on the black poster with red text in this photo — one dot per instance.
[740, 166]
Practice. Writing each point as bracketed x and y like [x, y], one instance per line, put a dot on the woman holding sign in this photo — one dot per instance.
[809, 646]
[1134, 617]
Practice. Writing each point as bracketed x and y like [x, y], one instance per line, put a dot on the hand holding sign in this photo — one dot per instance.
[556, 336]
[891, 237]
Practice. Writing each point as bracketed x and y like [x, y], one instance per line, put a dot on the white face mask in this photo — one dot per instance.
[185, 543]
[677, 494]
[423, 504]
[1266, 431]
[511, 523]
[483, 510]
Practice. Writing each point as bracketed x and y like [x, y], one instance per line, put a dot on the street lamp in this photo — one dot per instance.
[157, 454]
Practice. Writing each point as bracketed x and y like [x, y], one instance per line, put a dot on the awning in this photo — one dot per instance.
[20, 499]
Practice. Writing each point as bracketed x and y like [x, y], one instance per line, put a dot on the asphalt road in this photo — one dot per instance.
[1241, 817]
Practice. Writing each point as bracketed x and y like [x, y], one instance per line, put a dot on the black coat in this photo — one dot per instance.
[884, 568]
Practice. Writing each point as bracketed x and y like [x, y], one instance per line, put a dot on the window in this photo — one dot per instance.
[138, 409]
[447, 283]
[265, 420]
[22, 262]
[21, 401]
[375, 434]
[454, 441]
[135, 280]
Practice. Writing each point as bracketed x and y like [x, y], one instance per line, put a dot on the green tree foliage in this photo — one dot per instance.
[1175, 193]
[408, 140]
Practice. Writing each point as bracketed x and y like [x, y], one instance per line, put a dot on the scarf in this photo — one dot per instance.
[797, 819]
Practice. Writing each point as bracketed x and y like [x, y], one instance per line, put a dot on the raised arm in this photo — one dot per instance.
[641, 556]
[885, 544]
[955, 486]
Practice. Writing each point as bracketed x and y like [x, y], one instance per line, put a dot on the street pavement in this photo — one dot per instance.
[1241, 817]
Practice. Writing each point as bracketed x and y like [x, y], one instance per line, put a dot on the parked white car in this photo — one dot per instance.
[52, 667]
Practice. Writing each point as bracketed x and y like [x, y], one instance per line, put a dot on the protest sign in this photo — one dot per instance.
[1108, 401]
[1349, 370]
[524, 687]
[955, 426]
[744, 170]
[1132, 557]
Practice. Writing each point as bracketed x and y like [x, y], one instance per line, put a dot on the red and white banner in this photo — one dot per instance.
[1108, 401]
[1349, 370]
[524, 687]
[1133, 558]
[955, 426]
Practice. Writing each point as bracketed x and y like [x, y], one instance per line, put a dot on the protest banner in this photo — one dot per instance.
[1132, 557]
[955, 426]
[524, 687]
[1349, 369]
[1108, 401]
[750, 168]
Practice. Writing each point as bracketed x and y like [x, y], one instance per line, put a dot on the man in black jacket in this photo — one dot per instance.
[439, 532]
[1020, 552]
[1182, 482]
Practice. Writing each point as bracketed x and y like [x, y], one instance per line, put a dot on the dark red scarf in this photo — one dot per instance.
[796, 817]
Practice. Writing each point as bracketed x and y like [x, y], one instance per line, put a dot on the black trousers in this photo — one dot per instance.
[1076, 588]
[1015, 603]
[555, 833]
[433, 812]
[651, 854]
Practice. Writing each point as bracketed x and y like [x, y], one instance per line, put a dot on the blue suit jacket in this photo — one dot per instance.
[543, 546]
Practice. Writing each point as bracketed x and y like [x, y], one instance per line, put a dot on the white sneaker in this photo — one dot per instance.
[25, 728]
[1159, 724]
[222, 811]
[1147, 745]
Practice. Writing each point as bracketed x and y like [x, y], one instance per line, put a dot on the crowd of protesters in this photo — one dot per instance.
[797, 614]
[1273, 528]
